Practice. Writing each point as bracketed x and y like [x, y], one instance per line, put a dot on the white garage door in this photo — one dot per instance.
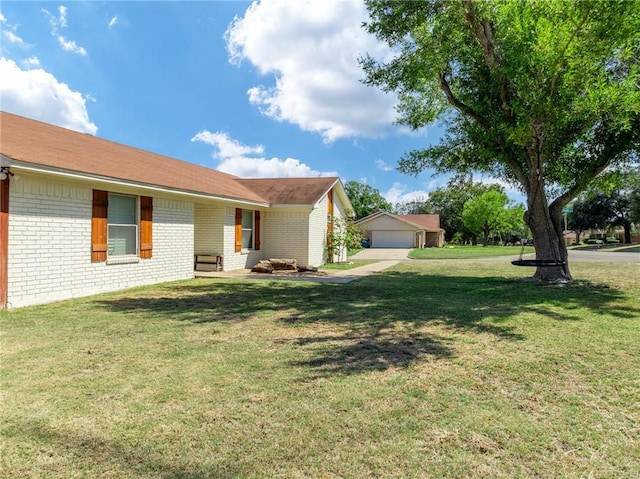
[392, 239]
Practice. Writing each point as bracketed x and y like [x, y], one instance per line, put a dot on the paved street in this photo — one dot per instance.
[380, 254]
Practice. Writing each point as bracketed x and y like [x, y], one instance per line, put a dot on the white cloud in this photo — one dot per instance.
[38, 94]
[381, 165]
[9, 33]
[398, 194]
[234, 159]
[32, 61]
[71, 46]
[311, 48]
[225, 147]
[61, 22]
[62, 19]
[113, 21]
[263, 168]
[13, 38]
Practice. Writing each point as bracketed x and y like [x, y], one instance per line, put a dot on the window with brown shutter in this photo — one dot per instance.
[116, 234]
[99, 226]
[238, 238]
[146, 226]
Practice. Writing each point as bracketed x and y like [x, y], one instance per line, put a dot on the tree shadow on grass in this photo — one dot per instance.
[382, 319]
[96, 456]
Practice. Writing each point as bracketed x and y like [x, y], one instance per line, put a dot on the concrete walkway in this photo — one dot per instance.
[325, 276]
[379, 254]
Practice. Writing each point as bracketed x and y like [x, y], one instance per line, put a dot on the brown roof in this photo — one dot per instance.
[426, 221]
[41, 144]
[290, 191]
[430, 223]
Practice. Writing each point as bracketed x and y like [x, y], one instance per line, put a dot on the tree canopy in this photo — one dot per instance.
[544, 94]
[365, 199]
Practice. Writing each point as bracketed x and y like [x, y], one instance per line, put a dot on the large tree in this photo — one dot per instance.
[365, 199]
[542, 93]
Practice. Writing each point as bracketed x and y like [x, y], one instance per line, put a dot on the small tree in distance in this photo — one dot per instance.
[491, 213]
[365, 199]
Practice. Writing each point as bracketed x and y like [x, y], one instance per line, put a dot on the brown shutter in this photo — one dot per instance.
[256, 231]
[330, 212]
[99, 226]
[146, 226]
[4, 242]
[238, 230]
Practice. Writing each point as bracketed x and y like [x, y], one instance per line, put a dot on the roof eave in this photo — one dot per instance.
[117, 181]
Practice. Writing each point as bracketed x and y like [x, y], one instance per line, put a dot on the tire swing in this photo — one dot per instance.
[538, 263]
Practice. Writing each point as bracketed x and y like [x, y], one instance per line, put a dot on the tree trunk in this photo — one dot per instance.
[548, 237]
[627, 232]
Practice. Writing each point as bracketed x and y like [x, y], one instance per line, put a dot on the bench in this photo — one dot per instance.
[208, 262]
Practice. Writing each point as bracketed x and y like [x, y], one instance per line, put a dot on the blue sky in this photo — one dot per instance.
[256, 89]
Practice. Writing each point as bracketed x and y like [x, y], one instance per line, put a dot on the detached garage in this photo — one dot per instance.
[392, 239]
[386, 230]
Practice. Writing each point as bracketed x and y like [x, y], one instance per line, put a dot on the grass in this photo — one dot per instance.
[431, 369]
[468, 252]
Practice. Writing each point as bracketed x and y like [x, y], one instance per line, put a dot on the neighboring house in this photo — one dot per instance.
[386, 230]
[80, 215]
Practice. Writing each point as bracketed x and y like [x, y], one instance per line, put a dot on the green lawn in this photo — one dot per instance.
[432, 369]
[468, 252]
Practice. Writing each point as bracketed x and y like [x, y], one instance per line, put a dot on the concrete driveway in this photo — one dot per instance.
[382, 254]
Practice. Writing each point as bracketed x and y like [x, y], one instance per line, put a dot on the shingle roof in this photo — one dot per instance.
[426, 221]
[290, 191]
[41, 144]
[430, 223]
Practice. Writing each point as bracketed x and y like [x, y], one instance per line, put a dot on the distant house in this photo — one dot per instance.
[386, 230]
[80, 215]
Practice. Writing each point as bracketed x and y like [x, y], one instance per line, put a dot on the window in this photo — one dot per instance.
[122, 233]
[247, 231]
[121, 225]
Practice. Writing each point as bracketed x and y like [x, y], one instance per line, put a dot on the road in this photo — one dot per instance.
[380, 254]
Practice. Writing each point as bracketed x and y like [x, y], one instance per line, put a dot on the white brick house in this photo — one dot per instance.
[80, 215]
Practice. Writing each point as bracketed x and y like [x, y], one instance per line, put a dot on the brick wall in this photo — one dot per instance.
[285, 234]
[318, 233]
[209, 234]
[50, 244]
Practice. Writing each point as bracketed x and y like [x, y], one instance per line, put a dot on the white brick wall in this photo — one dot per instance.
[285, 234]
[50, 244]
[318, 234]
[209, 234]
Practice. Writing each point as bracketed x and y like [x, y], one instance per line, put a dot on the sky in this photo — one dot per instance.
[269, 88]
